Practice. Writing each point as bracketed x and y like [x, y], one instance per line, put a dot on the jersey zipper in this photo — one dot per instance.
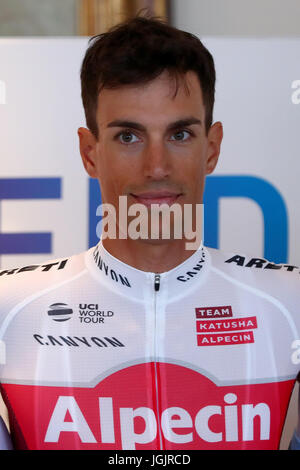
[156, 282]
[156, 289]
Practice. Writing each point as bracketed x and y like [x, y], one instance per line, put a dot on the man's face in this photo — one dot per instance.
[152, 146]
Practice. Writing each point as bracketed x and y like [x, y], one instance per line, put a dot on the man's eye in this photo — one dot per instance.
[181, 135]
[127, 137]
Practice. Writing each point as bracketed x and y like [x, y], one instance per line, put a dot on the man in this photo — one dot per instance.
[141, 343]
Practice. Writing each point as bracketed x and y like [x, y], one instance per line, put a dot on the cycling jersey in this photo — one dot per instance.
[295, 442]
[5, 440]
[99, 355]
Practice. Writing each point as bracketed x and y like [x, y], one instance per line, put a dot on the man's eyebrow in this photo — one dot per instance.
[173, 125]
[130, 124]
[183, 123]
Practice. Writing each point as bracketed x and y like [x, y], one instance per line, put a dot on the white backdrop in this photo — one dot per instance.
[40, 111]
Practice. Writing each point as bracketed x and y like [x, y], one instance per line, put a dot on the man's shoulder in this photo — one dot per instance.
[25, 280]
[256, 271]
[257, 263]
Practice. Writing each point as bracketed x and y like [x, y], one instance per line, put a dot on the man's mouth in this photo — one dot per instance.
[156, 197]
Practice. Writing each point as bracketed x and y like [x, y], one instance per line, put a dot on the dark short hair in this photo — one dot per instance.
[136, 52]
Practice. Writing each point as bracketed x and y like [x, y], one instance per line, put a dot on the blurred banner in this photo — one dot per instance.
[97, 16]
[48, 203]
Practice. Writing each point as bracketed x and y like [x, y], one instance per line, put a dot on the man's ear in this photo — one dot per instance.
[87, 147]
[215, 136]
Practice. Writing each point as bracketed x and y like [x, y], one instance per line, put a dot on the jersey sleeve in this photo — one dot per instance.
[5, 440]
[295, 442]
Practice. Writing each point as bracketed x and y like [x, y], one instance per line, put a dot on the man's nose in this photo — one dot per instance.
[157, 164]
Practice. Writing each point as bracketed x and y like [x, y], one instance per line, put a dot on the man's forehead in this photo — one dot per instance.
[121, 102]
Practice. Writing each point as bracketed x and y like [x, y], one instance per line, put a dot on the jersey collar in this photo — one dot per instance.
[132, 282]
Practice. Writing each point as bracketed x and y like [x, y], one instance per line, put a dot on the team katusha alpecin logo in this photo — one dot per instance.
[60, 312]
[127, 410]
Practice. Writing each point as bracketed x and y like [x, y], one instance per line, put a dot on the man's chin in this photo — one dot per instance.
[155, 241]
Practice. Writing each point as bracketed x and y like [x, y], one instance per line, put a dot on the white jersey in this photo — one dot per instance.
[99, 355]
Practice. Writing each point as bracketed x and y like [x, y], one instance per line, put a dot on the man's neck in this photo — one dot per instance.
[157, 257]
